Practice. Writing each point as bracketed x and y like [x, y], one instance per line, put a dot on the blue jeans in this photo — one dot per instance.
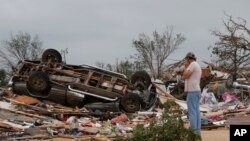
[193, 99]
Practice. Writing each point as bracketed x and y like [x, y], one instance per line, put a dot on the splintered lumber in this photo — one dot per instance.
[182, 103]
[42, 137]
[26, 99]
[163, 91]
[9, 127]
[239, 120]
[73, 138]
[26, 105]
[210, 127]
[13, 126]
[43, 111]
[26, 114]
[237, 112]
[87, 137]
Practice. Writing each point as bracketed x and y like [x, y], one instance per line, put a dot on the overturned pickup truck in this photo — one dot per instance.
[82, 85]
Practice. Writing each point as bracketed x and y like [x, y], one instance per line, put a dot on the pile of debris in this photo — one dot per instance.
[25, 118]
[47, 99]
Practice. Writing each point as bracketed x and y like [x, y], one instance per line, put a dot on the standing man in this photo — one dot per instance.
[192, 76]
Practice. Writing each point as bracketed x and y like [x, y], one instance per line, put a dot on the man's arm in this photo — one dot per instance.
[186, 74]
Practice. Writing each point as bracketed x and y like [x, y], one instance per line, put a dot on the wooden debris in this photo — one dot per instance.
[26, 114]
[210, 127]
[163, 91]
[26, 99]
[91, 130]
[239, 120]
[35, 131]
[9, 127]
[40, 137]
[44, 111]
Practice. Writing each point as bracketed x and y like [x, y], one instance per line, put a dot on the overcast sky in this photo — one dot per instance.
[103, 30]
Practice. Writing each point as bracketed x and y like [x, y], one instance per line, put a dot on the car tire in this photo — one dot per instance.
[131, 102]
[51, 55]
[141, 80]
[38, 84]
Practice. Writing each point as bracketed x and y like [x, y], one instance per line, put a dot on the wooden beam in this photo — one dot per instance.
[163, 91]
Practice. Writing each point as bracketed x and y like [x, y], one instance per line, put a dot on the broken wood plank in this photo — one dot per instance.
[6, 125]
[163, 91]
[210, 127]
[26, 114]
[240, 120]
[43, 111]
[31, 137]
[26, 99]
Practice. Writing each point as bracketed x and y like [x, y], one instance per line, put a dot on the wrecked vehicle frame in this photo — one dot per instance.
[82, 85]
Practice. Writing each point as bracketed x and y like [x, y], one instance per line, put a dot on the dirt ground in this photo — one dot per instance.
[206, 135]
[215, 135]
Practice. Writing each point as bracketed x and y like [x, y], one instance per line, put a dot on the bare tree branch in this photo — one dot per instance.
[19, 47]
[156, 50]
[232, 47]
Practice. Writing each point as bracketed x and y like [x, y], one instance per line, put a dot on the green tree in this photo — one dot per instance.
[153, 52]
[232, 48]
[18, 47]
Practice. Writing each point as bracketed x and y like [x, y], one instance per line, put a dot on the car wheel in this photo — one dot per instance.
[131, 102]
[38, 84]
[141, 80]
[51, 55]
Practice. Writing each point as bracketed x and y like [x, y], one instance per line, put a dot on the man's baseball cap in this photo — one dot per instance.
[190, 55]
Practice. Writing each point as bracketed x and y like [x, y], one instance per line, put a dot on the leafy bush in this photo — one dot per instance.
[169, 127]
